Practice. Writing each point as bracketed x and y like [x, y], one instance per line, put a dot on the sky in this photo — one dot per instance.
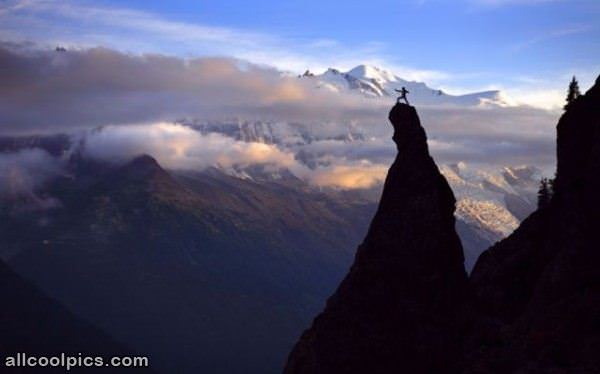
[528, 48]
[135, 70]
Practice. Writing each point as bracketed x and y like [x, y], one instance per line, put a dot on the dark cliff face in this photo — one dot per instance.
[531, 305]
[578, 144]
[401, 305]
[541, 285]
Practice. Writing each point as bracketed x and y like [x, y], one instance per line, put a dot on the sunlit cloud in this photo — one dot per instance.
[360, 175]
[137, 100]
[178, 147]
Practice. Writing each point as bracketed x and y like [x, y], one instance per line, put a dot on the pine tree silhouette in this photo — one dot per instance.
[573, 93]
[552, 185]
[544, 193]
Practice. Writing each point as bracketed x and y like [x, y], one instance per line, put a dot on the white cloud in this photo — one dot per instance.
[81, 25]
[53, 91]
[178, 147]
[550, 99]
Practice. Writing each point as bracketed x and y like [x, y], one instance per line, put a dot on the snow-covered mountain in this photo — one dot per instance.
[491, 200]
[491, 203]
[495, 201]
[372, 81]
[284, 134]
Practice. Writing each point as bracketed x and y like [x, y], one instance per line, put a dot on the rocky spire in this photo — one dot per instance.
[401, 307]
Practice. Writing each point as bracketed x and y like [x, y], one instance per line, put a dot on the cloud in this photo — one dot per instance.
[94, 87]
[500, 136]
[24, 172]
[363, 174]
[495, 137]
[80, 25]
[179, 147]
[130, 19]
[538, 97]
[136, 99]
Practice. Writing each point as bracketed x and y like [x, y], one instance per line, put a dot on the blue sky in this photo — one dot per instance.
[529, 48]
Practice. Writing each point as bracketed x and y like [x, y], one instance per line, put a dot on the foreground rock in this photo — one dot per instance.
[401, 307]
[541, 286]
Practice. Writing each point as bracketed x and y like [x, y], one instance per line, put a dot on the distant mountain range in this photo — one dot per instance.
[490, 205]
[196, 270]
[490, 202]
[230, 263]
[372, 81]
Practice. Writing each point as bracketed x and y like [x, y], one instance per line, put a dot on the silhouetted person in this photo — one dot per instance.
[402, 96]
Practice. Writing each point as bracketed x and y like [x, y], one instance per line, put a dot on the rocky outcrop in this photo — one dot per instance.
[531, 305]
[402, 306]
[540, 287]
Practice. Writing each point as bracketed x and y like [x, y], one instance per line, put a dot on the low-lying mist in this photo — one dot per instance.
[124, 105]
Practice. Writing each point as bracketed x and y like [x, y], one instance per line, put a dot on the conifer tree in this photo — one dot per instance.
[552, 185]
[544, 194]
[573, 93]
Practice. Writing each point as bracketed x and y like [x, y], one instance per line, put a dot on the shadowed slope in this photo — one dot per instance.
[201, 271]
[37, 325]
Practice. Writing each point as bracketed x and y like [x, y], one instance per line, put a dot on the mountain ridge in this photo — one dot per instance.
[226, 267]
[372, 81]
